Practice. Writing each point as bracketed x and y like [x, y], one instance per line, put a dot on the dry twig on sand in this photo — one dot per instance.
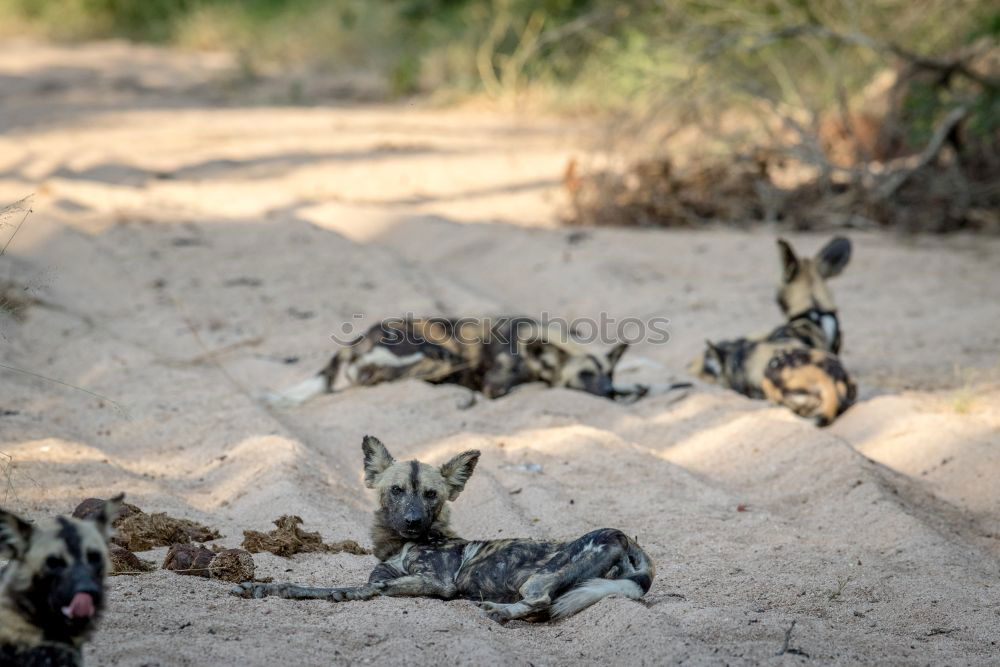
[786, 645]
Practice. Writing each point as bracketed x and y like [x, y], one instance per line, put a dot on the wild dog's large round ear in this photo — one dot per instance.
[106, 516]
[457, 471]
[615, 354]
[834, 256]
[377, 459]
[789, 262]
[15, 535]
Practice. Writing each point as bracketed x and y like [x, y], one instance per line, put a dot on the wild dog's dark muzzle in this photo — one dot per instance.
[600, 385]
[80, 596]
[414, 518]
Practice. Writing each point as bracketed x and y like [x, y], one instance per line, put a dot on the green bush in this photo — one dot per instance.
[598, 52]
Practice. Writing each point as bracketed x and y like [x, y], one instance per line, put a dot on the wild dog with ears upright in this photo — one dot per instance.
[491, 355]
[804, 298]
[795, 364]
[52, 590]
[512, 578]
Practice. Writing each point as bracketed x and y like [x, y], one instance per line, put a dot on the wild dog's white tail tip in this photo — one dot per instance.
[591, 591]
[637, 363]
[297, 394]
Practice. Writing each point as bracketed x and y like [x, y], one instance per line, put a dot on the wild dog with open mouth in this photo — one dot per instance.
[796, 364]
[52, 590]
[488, 355]
[512, 578]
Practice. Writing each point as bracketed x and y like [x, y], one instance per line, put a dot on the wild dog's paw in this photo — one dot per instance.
[495, 611]
[251, 590]
[339, 595]
[349, 594]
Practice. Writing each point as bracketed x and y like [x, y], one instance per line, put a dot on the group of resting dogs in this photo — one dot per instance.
[52, 588]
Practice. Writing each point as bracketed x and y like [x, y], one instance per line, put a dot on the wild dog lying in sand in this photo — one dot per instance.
[488, 355]
[52, 590]
[511, 578]
[796, 364]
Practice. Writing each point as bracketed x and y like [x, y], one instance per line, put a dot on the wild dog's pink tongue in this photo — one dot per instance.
[81, 606]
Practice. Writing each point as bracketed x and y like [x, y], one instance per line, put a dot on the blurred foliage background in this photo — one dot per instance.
[840, 86]
[595, 52]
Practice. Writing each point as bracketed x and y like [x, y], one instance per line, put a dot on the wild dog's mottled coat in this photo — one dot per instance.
[488, 355]
[52, 590]
[513, 578]
[796, 364]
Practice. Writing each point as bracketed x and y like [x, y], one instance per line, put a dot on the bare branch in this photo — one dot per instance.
[955, 65]
[896, 179]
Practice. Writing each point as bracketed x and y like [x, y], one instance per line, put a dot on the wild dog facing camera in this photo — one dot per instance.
[412, 494]
[52, 590]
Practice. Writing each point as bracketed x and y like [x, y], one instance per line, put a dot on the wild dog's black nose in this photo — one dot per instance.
[82, 580]
[413, 523]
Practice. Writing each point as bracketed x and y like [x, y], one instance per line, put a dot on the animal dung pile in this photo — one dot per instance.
[288, 539]
[141, 532]
[233, 565]
[91, 507]
[189, 559]
[137, 531]
[124, 562]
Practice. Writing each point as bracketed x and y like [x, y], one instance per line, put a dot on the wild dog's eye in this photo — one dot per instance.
[430, 494]
[95, 558]
[586, 375]
[396, 489]
[55, 562]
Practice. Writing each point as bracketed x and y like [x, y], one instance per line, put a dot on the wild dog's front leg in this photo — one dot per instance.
[416, 585]
[396, 582]
[419, 585]
[253, 590]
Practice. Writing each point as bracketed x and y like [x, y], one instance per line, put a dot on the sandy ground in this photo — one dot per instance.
[196, 241]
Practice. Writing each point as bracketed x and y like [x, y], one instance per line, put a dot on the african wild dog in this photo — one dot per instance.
[52, 590]
[513, 578]
[796, 364]
[491, 356]
[804, 298]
